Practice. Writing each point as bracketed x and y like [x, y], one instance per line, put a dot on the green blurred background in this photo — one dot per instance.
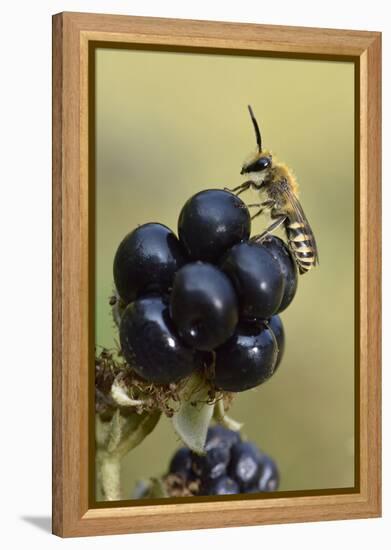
[171, 124]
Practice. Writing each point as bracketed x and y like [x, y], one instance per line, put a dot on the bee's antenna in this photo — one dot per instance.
[256, 128]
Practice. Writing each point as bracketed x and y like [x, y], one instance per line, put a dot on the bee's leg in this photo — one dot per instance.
[264, 205]
[275, 225]
[241, 188]
[257, 214]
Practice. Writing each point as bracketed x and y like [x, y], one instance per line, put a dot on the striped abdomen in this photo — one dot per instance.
[302, 244]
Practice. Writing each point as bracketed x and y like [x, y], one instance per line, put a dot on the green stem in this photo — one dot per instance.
[109, 470]
[114, 440]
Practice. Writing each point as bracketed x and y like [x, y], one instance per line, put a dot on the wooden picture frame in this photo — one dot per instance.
[73, 34]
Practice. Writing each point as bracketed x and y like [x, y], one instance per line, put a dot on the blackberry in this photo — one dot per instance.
[247, 359]
[257, 278]
[146, 261]
[211, 222]
[150, 344]
[203, 306]
[229, 466]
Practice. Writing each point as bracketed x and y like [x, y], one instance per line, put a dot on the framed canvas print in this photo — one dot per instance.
[216, 295]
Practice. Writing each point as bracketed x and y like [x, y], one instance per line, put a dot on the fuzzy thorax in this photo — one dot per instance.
[282, 171]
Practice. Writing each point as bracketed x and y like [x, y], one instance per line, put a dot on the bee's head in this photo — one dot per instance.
[260, 162]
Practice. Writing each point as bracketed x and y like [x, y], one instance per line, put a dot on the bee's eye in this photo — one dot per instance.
[260, 164]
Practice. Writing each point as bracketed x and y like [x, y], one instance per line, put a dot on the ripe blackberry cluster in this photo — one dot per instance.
[230, 466]
[210, 296]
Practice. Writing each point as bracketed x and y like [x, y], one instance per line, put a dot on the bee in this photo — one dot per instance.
[275, 180]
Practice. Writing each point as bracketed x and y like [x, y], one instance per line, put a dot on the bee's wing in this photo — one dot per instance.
[298, 213]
